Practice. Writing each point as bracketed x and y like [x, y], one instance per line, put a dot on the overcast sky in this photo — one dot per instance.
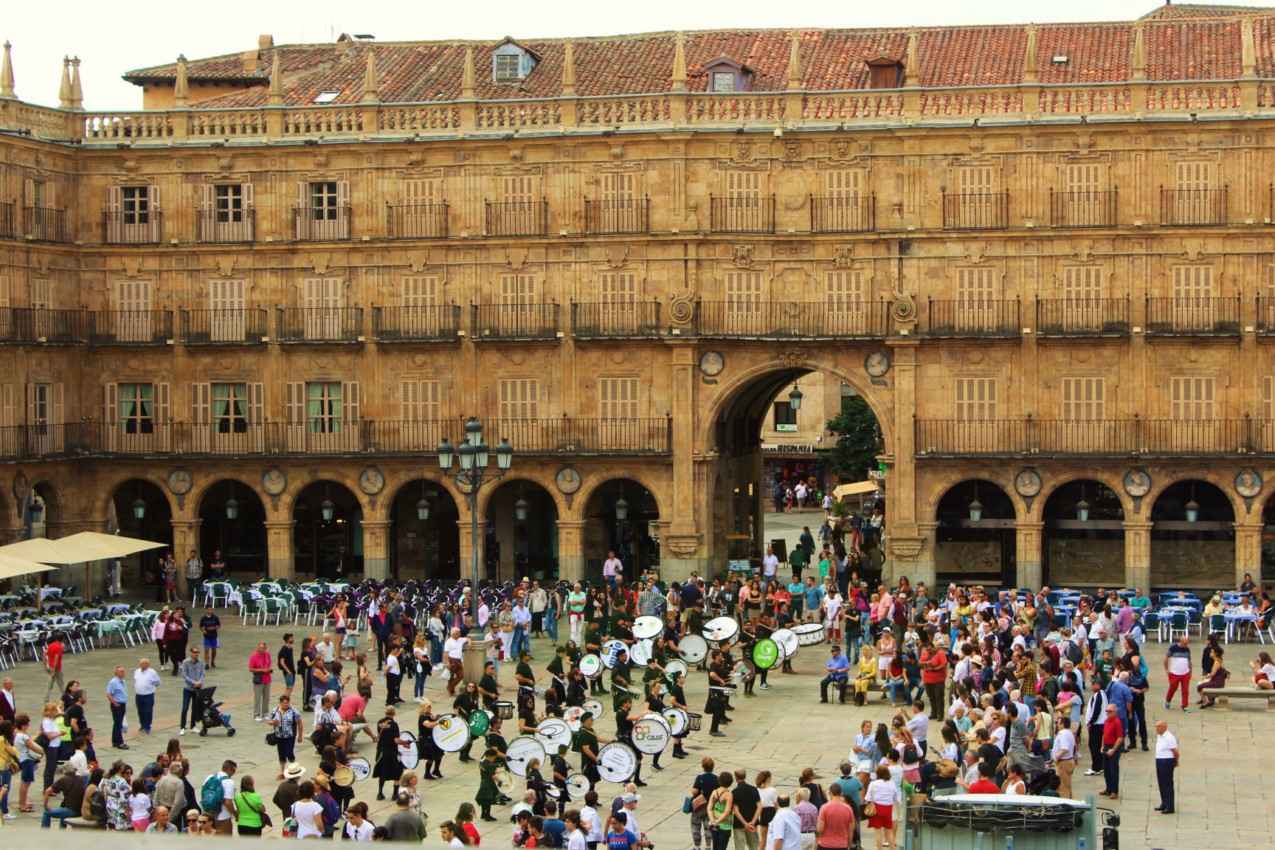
[113, 37]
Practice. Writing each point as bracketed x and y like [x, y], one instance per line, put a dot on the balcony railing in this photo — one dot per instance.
[1134, 437]
[35, 442]
[225, 436]
[44, 224]
[38, 324]
[742, 215]
[1193, 316]
[322, 224]
[228, 225]
[319, 324]
[416, 324]
[223, 327]
[1265, 316]
[621, 215]
[972, 318]
[1199, 207]
[530, 436]
[517, 218]
[515, 321]
[417, 221]
[321, 437]
[792, 319]
[130, 327]
[976, 210]
[8, 220]
[1082, 317]
[843, 215]
[1082, 208]
[608, 320]
[132, 228]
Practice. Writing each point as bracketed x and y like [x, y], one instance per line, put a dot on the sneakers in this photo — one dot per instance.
[765, 686]
[1166, 703]
[10, 817]
[1093, 773]
[183, 731]
[256, 719]
[1186, 710]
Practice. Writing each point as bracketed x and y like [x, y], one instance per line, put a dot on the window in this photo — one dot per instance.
[519, 398]
[324, 407]
[519, 188]
[327, 96]
[323, 416]
[132, 215]
[976, 204]
[743, 306]
[228, 417]
[743, 186]
[1082, 298]
[1198, 198]
[508, 67]
[785, 416]
[4, 293]
[1191, 283]
[322, 311]
[45, 417]
[1195, 176]
[226, 313]
[135, 416]
[975, 399]
[10, 440]
[843, 183]
[1191, 398]
[884, 73]
[618, 294]
[419, 400]
[323, 201]
[976, 298]
[1084, 399]
[41, 307]
[1084, 202]
[133, 310]
[843, 298]
[229, 203]
[136, 408]
[618, 398]
[518, 304]
[135, 204]
[420, 315]
[1268, 397]
[225, 214]
[230, 408]
[723, 82]
[323, 210]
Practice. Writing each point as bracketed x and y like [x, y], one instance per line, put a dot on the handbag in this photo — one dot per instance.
[687, 806]
[271, 739]
[265, 816]
[257, 677]
[869, 809]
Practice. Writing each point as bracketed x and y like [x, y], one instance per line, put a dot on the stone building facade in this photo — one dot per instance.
[1046, 265]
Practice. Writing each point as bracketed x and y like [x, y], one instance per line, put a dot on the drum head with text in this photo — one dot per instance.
[553, 733]
[617, 762]
[522, 750]
[451, 734]
[651, 734]
[645, 628]
[640, 653]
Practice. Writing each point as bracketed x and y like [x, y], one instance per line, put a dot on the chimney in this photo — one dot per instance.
[265, 43]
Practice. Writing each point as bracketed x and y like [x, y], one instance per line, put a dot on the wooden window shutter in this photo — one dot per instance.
[5, 298]
[619, 187]
[519, 289]
[201, 403]
[351, 401]
[843, 183]
[976, 179]
[743, 184]
[7, 412]
[410, 400]
[1194, 176]
[1268, 397]
[1084, 177]
[420, 192]
[519, 188]
[420, 291]
[115, 199]
[256, 403]
[519, 398]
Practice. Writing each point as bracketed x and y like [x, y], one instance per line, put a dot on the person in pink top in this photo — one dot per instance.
[260, 665]
[351, 711]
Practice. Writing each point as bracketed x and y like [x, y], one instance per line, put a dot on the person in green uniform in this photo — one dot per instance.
[561, 770]
[496, 743]
[797, 559]
[523, 676]
[487, 687]
[621, 678]
[488, 793]
[585, 741]
[625, 717]
[558, 670]
[593, 641]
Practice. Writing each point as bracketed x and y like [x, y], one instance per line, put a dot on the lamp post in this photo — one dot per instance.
[474, 471]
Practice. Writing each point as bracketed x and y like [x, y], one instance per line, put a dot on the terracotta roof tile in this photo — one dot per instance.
[1184, 45]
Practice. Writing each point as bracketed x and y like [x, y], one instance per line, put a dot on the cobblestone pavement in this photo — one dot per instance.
[782, 730]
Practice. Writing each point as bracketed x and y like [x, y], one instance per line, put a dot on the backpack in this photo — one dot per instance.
[1075, 654]
[331, 812]
[97, 804]
[211, 795]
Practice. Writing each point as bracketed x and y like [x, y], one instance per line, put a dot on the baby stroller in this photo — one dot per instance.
[1036, 773]
[209, 713]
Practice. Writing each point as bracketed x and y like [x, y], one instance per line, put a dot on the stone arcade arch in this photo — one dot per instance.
[975, 537]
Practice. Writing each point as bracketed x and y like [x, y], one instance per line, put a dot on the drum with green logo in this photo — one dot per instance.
[766, 654]
[479, 722]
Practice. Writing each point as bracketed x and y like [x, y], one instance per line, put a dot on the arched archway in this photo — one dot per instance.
[976, 539]
[522, 539]
[1082, 541]
[327, 534]
[140, 508]
[48, 514]
[241, 539]
[1192, 536]
[634, 539]
[427, 548]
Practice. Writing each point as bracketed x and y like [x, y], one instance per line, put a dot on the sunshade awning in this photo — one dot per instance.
[856, 489]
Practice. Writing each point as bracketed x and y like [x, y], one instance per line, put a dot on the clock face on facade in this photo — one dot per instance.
[712, 363]
[876, 364]
[568, 480]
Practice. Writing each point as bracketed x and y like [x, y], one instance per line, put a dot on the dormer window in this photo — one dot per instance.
[725, 76]
[326, 96]
[884, 72]
[511, 62]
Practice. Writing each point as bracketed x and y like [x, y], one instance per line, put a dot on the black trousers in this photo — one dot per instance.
[1138, 720]
[1164, 778]
[1095, 747]
[828, 680]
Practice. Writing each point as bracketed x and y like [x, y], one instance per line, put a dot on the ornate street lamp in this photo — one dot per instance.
[795, 397]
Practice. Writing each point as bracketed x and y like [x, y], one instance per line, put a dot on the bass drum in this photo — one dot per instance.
[577, 786]
[674, 668]
[611, 652]
[591, 666]
[617, 762]
[721, 629]
[677, 720]
[452, 733]
[809, 634]
[408, 752]
[787, 639]
[651, 734]
[553, 733]
[522, 750]
[640, 653]
[645, 628]
[593, 707]
[693, 649]
[572, 717]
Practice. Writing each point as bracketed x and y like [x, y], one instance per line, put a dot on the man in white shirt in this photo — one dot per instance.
[785, 829]
[1064, 757]
[1167, 758]
[145, 681]
[326, 649]
[612, 570]
[919, 725]
[630, 817]
[799, 493]
[227, 814]
[454, 652]
[769, 567]
[8, 701]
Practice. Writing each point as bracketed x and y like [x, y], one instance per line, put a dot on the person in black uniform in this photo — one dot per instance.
[747, 639]
[625, 717]
[621, 679]
[496, 741]
[536, 785]
[388, 768]
[586, 743]
[593, 641]
[655, 705]
[524, 677]
[677, 699]
[553, 708]
[527, 715]
[576, 691]
[695, 626]
[487, 687]
[466, 703]
[718, 680]
[561, 770]
[558, 669]
[431, 753]
[763, 629]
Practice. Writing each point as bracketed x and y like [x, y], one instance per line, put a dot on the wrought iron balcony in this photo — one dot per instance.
[38, 324]
[321, 224]
[742, 214]
[44, 224]
[792, 319]
[976, 210]
[416, 324]
[971, 318]
[515, 321]
[1128, 438]
[132, 228]
[610, 320]
[130, 327]
[1082, 208]
[226, 225]
[622, 215]
[417, 221]
[223, 327]
[319, 324]
[1082, 317]
[47, 441]
[843, 215]
[1197, 207]
[517, 218]
[1192, 316]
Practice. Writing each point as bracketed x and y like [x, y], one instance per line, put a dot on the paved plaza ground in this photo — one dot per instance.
[1222, 800]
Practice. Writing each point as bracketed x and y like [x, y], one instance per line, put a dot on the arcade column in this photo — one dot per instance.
[279, 558]
[1137, 555]
[571, 560]
[376, 549]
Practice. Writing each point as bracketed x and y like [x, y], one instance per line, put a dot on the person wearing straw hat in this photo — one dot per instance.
[287, 792]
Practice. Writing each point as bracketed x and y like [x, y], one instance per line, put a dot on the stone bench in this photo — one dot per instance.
[1222, 695]
[81, 823]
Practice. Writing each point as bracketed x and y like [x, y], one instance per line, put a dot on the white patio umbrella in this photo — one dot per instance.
[12, 567]
[79, 548]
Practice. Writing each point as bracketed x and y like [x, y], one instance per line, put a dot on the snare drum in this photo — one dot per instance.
[504, 709]
[591, 666]
[692, 648]
[577, 786]
[593, 707]
[694, 722]
[362, 768]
